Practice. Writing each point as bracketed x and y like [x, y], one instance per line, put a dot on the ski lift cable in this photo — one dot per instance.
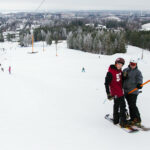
[42, 2]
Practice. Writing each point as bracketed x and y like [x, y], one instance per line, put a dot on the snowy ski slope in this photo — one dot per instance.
[49, 104]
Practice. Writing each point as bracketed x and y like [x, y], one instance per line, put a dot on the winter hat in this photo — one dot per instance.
[133, 62]
[120, 60]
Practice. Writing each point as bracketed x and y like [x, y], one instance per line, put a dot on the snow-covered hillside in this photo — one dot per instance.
[49, 104]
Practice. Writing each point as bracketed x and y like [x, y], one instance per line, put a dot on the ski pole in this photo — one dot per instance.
[109, 99]
[140, 85]
[104, 101]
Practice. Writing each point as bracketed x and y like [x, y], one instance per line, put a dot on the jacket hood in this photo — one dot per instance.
[113, 67]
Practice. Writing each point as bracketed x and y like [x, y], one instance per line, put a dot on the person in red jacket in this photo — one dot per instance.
[9, 69]
[114, 90]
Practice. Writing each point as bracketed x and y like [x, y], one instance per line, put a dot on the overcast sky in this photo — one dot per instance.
[75, 5]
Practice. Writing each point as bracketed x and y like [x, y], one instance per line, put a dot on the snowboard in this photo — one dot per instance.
[128, 129]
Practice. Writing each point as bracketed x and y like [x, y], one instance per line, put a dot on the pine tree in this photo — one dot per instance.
[48, 38]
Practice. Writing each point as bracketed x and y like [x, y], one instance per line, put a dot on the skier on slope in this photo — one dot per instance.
[132, 79]
[83, 69]
[9, 69]
[2, 69]
[114, 90]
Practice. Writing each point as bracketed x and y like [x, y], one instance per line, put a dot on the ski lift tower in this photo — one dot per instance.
[32, 40]
[32, 34]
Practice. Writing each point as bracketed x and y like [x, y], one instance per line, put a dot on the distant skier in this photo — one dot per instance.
[9, 69]
[114, 90]
[83, 69]
[132, 79]
[2, 68]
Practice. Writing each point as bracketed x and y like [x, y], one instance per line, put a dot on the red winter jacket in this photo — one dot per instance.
[113, 82]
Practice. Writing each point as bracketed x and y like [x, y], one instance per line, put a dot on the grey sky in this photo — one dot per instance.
[75, 4]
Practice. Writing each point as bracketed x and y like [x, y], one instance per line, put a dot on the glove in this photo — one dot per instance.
[110, 97]
[125, 75]
[139, 86]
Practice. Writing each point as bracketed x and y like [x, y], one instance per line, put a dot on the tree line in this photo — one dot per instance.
[89, 39]
[97, 41]
[139, 38]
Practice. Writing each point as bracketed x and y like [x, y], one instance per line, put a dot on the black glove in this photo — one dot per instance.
[125, 75]
[139, 86]
[110, 97]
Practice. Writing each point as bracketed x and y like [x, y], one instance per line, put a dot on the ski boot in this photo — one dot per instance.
[125, 124]
[136, 122]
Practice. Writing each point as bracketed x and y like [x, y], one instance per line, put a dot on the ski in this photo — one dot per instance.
[128, 129]
[141, 128]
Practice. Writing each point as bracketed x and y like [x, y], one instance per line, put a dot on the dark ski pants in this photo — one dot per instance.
[119, 110]
[133, 109]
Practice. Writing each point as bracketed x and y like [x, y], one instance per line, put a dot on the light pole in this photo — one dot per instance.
[142, 54]
[142, 48]
[56, 42]
[43, 35]
[32, 40]
[43, 46]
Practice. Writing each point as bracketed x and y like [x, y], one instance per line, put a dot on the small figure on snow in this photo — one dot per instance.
[83, 69]
[2, 68]
[9, 69]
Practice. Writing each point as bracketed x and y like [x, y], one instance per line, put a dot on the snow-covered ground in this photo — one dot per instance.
[146, 27]
[115, 18]
[49, 104]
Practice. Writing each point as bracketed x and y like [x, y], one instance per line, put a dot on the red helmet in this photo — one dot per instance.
[120, 60]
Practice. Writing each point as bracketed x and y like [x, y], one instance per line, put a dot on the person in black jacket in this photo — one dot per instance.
[114, 90]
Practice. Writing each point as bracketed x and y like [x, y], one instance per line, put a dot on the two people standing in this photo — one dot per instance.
[9, 69]
[118, 83]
